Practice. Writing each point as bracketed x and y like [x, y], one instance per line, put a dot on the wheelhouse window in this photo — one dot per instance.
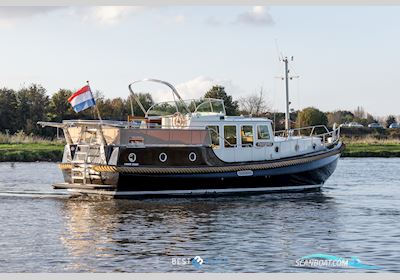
[230, 136]
[214, 133]
[247, 135]
[263, 132]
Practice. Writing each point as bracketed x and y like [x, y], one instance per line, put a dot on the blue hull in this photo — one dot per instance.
[300, 177]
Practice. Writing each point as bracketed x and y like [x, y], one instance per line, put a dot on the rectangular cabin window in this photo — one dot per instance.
[247, 135]
[263, 132]
[230, 136]
[214, 133]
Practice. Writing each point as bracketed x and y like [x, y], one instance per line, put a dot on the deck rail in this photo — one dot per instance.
[327, 137]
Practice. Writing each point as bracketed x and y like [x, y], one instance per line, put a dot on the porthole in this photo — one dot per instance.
[277, 149]
[192, 156]
[163, 157]
[314, 146]
[132, 157]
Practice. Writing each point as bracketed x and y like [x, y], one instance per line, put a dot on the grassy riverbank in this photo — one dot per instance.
[371, 147]
[31, 152]
[28, 148]
[371, 150]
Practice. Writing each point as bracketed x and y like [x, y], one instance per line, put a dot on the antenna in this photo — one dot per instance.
[279, 53]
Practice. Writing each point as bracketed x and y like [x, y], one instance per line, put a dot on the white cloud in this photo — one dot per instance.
[111, 14]
[258, 15]
[106, 15]
[196, 88]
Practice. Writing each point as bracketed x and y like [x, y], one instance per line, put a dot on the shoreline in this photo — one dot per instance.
[378, 149]
[31, 152]
[52, 152]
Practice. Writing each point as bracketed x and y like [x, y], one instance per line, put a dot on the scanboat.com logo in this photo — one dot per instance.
[322, 260]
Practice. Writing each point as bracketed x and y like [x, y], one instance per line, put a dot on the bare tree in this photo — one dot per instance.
[359, 112]
[255, 104]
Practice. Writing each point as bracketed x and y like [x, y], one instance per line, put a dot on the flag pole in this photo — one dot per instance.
[103, 139]
[95, 106]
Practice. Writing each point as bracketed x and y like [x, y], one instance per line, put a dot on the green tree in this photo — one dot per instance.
[370, 119]
[8, 111]
[119, 111]
[339, 117]
[32, 106]
[311, 116]
[390, 119]
[278, 120]
[218, 92]
[104, 107]
[59, 107]
[144, 98]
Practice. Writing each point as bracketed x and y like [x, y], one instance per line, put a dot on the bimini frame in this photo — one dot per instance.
[174, 94]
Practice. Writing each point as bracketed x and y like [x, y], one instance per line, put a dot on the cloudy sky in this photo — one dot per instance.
[345, 56]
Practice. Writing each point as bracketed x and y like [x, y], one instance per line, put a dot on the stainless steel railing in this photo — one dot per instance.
[327, 137]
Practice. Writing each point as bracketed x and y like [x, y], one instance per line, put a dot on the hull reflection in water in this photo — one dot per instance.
[355, 214]
[144, 236]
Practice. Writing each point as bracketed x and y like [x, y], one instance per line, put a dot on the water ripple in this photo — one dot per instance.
[47, 231]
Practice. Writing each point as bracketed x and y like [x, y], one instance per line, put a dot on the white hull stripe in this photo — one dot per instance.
[195, 192]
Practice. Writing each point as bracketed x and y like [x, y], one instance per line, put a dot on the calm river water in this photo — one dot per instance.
[356, 215]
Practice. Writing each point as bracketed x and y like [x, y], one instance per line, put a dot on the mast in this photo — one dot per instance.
[287, 114]
[287, 78]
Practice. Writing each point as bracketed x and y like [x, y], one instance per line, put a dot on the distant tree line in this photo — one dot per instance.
[20, 110]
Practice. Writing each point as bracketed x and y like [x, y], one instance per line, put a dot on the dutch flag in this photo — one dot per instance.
[82, 99]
